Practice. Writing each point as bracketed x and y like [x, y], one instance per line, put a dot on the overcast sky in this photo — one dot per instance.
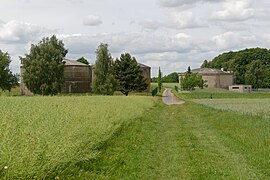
[172, 34]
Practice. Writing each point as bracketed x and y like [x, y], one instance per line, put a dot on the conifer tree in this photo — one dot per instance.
[128, 74]
[159, 80]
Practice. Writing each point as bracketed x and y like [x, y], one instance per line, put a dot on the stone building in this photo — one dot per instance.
[214, 78]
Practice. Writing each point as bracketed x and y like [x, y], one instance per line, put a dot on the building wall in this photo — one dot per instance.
[24, 89]
[212, 81]
[241, 88]
[226, 81]
[78, 79]
[147, 76]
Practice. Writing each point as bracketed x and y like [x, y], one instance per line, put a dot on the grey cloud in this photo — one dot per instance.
[92, 20]
[177, 20]
[178, 3]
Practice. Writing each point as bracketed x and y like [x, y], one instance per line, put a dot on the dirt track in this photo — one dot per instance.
[169, 98]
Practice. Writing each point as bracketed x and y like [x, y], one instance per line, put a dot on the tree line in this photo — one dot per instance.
[250, 66]
[170, 78]
[44, 70]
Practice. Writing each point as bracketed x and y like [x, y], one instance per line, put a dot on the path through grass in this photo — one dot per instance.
[184, 142]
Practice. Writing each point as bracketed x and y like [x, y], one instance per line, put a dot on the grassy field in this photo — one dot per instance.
[173, 142]
[102, 137]
[14, 92]
[220, 94]
[43, 135]
[255, 107]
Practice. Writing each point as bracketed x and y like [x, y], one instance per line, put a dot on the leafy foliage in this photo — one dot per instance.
[83, 60]
[128, 74]
[104, 82]
[170, 78]
[257, 74]
[192, 80]
[240, 63]
[44, 67]
[7, 79]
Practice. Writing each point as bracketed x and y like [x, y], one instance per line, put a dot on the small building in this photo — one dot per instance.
[241, 88]
[214, 78]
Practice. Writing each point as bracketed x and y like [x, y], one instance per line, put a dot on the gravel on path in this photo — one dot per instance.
[169, 98]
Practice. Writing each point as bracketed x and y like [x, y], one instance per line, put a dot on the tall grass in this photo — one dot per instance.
[220, 93]
[41, 134]
[258, 107]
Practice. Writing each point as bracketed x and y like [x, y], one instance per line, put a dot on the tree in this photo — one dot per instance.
[83, 60]
[171, 78]
[192, 80]
[257, 74]
[159, 80]
[44, 67]
[128, 74]
[104, 82]
[7, 79]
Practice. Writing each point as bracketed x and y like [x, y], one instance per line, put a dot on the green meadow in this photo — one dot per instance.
[136, 137]
[38, 135]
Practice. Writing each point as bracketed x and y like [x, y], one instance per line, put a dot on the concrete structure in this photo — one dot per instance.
[78, 77]
[241, 88]
[214, 78]
[147, 75]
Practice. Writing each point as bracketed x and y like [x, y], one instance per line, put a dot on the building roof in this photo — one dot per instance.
[209, 71]
[73, 63]
[143, 65]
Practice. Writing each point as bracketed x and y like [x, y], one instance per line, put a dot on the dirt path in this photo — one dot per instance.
[169, 98]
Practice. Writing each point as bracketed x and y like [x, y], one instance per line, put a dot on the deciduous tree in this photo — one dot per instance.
[192, 80]
[7, 79]
[44, 66]
[104, 82]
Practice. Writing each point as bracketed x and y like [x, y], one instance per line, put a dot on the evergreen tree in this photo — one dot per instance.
[104, 82]
[159, 80]
[128, 75]
[44, 67]
[83, 60]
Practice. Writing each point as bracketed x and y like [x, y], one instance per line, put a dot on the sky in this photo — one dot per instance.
[172, 34]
